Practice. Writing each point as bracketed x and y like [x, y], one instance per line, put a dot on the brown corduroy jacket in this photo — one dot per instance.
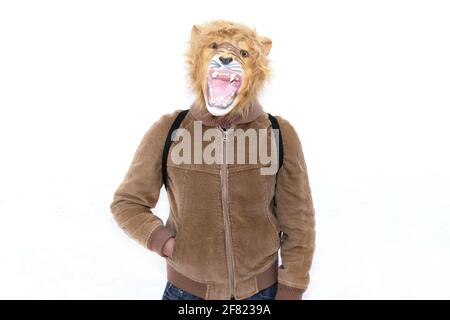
[229, 221]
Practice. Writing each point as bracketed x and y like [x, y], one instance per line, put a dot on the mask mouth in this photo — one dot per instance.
[222, 87]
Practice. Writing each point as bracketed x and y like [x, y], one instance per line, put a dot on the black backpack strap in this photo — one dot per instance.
[175, 125]
[279, 141]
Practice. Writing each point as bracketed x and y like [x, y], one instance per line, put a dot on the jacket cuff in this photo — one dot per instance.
[288, 293]
[158, 239]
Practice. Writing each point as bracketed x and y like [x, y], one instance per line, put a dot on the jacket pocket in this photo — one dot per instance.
[274, 223]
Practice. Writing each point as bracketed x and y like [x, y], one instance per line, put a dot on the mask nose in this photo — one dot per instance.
[225, 61]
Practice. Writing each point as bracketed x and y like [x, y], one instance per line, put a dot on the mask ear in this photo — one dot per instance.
[267, 45]
[195, 31]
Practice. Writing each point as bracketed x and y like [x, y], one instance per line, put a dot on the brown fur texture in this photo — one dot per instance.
[256, 65]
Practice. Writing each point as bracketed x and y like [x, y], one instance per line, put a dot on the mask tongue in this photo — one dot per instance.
[221, 91]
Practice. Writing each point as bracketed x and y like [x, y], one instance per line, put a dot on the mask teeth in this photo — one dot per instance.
[231, 76]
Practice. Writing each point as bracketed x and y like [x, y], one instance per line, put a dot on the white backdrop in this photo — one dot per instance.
[365, 83]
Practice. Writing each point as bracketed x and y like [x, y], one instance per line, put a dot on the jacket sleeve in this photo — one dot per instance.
[295, 214]
[138, 193]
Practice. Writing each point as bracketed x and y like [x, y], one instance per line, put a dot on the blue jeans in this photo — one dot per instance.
[174, 293]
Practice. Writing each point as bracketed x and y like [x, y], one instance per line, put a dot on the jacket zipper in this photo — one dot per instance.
[226, 217]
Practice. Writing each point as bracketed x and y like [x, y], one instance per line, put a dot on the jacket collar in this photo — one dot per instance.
[199, 112]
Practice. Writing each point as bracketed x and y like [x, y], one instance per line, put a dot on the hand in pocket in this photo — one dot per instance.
[168, 247]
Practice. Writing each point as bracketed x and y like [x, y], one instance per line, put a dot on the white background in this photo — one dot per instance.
[365, 83]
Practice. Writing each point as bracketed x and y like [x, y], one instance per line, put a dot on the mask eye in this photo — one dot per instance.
[244, 53]
[213, 45]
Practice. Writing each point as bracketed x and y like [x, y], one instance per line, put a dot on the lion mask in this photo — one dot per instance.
[228, 66]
